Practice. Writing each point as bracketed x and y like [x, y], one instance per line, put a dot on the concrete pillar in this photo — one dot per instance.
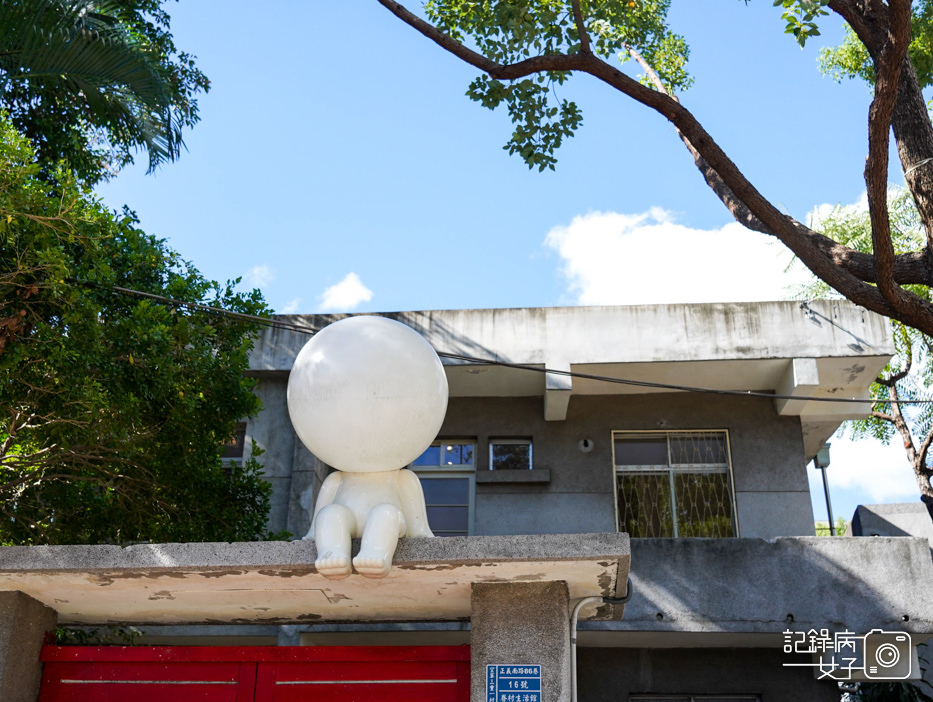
[24, 623]
[525, 624]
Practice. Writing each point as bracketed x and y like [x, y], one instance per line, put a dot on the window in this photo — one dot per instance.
[510, 454]
[674, 484]
[447, 470]
[233, 447]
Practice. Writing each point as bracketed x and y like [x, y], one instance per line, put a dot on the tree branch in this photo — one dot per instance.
[923, 454]
[913, 131]
[581, 28]
[828, 260]
[738, 209]
[888, 72]
[901, 425]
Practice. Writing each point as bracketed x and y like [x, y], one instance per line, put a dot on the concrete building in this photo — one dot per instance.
[687, 427]
[595, 453]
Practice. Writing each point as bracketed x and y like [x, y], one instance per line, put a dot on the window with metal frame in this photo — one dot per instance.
[674, 483]
[447, 470]
[510, 454]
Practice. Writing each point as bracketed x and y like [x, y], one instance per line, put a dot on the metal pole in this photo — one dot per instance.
[829, 505]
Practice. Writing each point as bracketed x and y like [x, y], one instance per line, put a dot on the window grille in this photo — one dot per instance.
[674, 484]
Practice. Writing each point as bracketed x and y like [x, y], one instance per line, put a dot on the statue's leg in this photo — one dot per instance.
[332, 528]
[384, 525]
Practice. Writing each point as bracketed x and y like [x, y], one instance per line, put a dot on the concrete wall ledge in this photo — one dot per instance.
[275, 582]
[768, 586]
[536, 475]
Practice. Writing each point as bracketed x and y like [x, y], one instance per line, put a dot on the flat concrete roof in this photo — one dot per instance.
[828, 348]
[275, 582]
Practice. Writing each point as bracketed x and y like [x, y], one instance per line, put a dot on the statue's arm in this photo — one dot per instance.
[416, 514]
[325, 496]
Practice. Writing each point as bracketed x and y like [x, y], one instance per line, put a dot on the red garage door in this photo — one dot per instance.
[255, 674]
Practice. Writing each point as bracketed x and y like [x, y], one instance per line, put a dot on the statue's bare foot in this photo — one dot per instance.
[333, 568]
[373, 565]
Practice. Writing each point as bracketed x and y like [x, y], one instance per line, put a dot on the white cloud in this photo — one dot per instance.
[821, 212]
[618, 259]
[346, 294]
[879, 472]
[291, 307]
[260, 276]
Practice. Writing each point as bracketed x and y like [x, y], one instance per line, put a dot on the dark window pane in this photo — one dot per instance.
[234, 446]
[449, 519]
[641, 452]
[511, 456]
[703, 504]
[645, 505]
[446, 491]
[458, 454]
[698, 449]
[431, 457]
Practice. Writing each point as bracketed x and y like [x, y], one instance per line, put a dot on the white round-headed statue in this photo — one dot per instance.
[367, 395]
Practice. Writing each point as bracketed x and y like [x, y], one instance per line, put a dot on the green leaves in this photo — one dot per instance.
[115, 407]
[540, 125]
[851, 60]
[91, 81]
[800, 16]
[913, 351]
[510, 31]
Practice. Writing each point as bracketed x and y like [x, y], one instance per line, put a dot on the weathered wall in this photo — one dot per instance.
[768, 460]
[901, 519]
[272, 431]
[768, 586]
[523, 623]
[612, 674]
[24, 623]
[632, 334]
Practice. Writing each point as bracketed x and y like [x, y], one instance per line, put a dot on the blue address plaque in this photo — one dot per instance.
[513, 682]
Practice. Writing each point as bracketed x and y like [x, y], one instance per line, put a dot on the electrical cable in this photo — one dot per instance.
[472, 360]
[267, 321]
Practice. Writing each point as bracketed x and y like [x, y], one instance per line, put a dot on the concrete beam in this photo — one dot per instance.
[557, 389]
[275, 582]
[523, 624]
[801, 378]
[24, 623]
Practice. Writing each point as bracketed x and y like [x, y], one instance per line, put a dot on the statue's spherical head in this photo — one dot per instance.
[367, 394]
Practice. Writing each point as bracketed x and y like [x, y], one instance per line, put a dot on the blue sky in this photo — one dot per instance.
[338, 166]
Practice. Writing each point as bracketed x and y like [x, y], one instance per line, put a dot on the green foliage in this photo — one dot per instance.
[108, 636]
[92, 81]
[114, 408]
[509, 31]
[852, 227]
[822, 528]
[800, 17]
[851, 60]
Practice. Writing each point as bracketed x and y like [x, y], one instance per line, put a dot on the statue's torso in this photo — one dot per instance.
[360, 492]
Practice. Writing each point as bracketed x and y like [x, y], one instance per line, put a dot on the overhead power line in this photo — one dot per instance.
[473, 360]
